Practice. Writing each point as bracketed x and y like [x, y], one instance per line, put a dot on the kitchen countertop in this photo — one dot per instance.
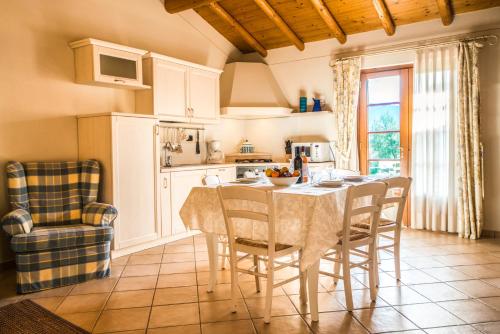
[209, 166]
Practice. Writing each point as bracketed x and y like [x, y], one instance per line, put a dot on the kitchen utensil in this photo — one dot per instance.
[354, 178]
[252, 180]
[288, 146]
[246, 147]
[283, 181]
[330, 183]
[215, 154]
[198, 142]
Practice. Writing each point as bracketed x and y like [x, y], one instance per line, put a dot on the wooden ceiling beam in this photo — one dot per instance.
[445, 11]
[223, 14]
[280, 23]
[176, 6]
[330, 21]
[385, 17]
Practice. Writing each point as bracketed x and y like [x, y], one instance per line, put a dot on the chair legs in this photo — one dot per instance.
[336, 268]
[257, 270]
[373, 271]
[223, 258]
[269, 291]
[234, 281]
[346, 273]
[303, 282]
[397, 252]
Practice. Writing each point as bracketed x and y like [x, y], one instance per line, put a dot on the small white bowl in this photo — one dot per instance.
[283, 181]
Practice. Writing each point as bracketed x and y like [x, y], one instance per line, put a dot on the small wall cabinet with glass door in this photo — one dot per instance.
[107, 64]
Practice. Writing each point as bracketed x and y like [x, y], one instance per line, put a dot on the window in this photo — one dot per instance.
[383, 127]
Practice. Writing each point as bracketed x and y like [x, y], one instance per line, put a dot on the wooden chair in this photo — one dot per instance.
[274, 254]
[351, 240]
[211, 181]
[397, 193]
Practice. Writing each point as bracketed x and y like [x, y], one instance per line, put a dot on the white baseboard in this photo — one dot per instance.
[116, 253]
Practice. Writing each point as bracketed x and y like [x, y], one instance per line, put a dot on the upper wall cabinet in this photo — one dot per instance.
[181, 91]
[108, 64]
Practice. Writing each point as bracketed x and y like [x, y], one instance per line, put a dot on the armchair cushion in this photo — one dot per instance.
[17, 222]
[60, 237]
[99, 214]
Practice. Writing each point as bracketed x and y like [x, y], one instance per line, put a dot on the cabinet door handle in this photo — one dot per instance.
[119, 80]
[165, 183]
[222, 170]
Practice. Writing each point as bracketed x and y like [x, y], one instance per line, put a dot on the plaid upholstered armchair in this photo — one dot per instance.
[60, 234]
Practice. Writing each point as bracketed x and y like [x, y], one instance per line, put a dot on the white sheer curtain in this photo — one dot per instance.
[434, 140]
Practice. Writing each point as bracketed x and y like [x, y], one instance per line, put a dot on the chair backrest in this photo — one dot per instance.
[54, 193]
[211, 180]
[252, 198]
[363, 201]
[397, 194]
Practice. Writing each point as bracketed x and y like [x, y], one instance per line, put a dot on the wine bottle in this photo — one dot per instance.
[305, 167]
[297, 163]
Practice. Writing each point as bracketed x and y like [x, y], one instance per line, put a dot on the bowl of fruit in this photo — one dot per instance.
[282, 177]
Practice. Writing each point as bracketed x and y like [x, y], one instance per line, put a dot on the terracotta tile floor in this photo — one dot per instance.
[448, 285]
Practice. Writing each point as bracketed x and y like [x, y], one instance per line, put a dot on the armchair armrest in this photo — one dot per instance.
[99, 214]
[17, 222]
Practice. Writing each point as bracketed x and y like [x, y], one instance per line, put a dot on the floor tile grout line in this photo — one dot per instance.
[197, 290]
[154, 294]
[107, 299]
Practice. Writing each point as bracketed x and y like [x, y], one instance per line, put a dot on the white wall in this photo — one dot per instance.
[39, 98]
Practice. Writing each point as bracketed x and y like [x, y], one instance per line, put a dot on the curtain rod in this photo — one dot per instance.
[490, 39]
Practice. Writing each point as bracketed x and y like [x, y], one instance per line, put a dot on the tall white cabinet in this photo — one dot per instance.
[126, 147]
[181, 91]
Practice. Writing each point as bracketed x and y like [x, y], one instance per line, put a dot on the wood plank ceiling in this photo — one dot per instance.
[260, 25]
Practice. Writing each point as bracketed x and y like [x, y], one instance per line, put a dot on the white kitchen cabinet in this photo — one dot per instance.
[107, 64]
[225, 174]
[168, 98]
[126, 147]
[181, 91]
[181, 184]
[204, 95]
[165, 205]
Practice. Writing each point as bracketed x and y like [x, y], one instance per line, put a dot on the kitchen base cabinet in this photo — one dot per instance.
[165, 205]
[181, 184]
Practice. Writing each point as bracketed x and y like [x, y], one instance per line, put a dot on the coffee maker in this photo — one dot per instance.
[214, 153]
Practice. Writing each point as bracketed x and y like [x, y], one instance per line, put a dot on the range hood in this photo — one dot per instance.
[250, 91]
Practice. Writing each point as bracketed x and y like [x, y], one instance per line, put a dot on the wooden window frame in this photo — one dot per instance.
[406, 103]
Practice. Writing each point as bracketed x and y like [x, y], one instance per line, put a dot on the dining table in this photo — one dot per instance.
[306, 215]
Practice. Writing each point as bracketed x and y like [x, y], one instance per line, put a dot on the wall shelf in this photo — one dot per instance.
[268, 113]
[311, 113]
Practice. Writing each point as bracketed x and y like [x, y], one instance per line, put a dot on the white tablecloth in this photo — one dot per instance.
[306, 216]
